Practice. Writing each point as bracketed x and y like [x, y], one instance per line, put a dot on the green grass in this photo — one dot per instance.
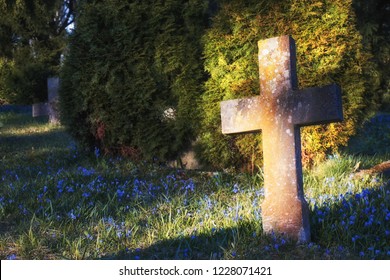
[59, 202]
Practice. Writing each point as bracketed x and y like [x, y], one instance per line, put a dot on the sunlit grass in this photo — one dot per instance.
[58, 202]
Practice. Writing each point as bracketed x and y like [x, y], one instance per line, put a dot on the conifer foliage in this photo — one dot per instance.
[32, 38]
[133, 76]
[145, 78]
[329, 50]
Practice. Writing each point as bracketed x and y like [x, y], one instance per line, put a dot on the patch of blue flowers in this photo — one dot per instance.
[361, 220]
[65, 193]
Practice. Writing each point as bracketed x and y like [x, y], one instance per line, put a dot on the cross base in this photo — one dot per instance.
[292, 220]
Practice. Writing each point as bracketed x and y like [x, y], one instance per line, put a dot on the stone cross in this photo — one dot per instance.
[279, 111]
[52, 90]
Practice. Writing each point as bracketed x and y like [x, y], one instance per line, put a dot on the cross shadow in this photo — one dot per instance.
[201, 246]
[349, 227]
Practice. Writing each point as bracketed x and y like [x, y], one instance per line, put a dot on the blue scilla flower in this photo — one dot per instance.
[59, 171]
[329, 180]
[209, 203]
[387, 215]
[97, 152]
[345, 204]
[171, 177]
[370, 221]
[257, 214]
[352, 219]
[60, 185]
[236, 188]
[185, 252]
[323, 197]
[260, 192]
[11, 257]
[190, 185]
[344, 224]
[86, 172]
[89, 236]
[358, 196]
[39, 197]
[109, 220]
[255, 202]
[120, 193]
[355, 238]
[86, 194]
[225, 213]
[366, 193]
[71, 215]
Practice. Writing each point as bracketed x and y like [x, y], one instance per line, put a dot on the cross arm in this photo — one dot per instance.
[241, 115]
[317, 105]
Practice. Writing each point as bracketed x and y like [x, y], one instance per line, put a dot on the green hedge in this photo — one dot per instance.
[130, 64]
[23, 80]
[133, 76]
[32, 39]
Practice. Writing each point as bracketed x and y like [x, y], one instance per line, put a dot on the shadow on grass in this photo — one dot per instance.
[33, 148]
[347, 227]
[215, 244]
[351, 226]
[48, 139]
[18, 109]
[22, 134]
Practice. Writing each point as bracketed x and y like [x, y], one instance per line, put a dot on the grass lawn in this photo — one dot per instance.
[59, 202]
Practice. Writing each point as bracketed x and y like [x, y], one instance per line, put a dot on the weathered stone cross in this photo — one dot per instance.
[279, 112]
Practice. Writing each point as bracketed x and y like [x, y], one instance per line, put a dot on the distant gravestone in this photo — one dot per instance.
[49, 108]
[40, 109]
[280, 111]
[52, 89]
